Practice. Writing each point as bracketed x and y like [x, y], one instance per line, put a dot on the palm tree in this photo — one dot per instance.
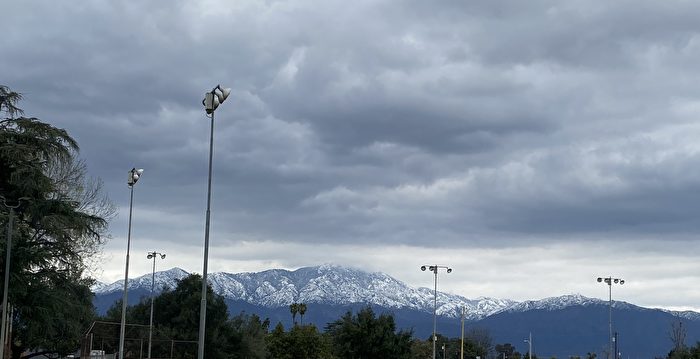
[294, 308]
[302, 311]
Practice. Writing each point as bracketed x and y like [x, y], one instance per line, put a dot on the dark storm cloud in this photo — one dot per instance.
[383, 122]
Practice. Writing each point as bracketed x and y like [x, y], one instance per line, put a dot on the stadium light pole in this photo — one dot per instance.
[212, 100]
[529, 346]
[6, 283]
[461, 351]
[153, 255]
[134, 175]
[434, 269]
[609, 281]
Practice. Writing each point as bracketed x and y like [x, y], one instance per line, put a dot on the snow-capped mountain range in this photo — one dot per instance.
[335, 285]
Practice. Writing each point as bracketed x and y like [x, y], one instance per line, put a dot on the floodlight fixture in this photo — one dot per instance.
[152, 255]
[610, 281]
[434, 269]
[134, 175]
[212, 100]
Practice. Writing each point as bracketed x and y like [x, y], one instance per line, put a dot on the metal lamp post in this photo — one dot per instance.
[434, 269]
[609, 281]
[212, 100]
[529, 346]
[153, 255]
[134, 175]
[6, 284]
[461, 351]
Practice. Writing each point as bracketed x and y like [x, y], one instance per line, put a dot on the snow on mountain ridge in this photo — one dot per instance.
[163, 279]
[335, 285]
[326, 284]
[552, 303]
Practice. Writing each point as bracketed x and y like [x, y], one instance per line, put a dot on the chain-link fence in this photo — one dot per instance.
[102, 342]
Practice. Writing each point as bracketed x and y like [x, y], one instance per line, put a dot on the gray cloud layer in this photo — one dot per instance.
[496, 124]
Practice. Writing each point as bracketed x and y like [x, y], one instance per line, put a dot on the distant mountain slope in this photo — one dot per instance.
[569, 325]
[326, 284]
[579, 328]
[164, 279]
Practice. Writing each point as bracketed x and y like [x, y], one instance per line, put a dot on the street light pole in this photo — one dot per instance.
[211, 101]
[434, 269]
[153, 255]
[461, 351]
[609, 281]
[134, 175]
[529, 346]
[6, 284]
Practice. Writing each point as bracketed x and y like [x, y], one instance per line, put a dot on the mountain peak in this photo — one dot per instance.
[163, 279]
[337, 285]
[324, 284]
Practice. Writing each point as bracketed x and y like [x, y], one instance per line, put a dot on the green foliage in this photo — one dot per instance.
[176, 316]
[449, 348]
[366, 336]
[247, 337]
[507, 350]
[63, 305]
[421, 349]
[301, 342]
[685, 352]
[61, 220]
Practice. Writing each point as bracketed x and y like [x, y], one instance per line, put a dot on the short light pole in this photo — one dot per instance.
[609, 281]
[529, 346]
[461, 351]
[212, 100]
[152, 255]
[6, 284]
[434, 269]
[134, 175]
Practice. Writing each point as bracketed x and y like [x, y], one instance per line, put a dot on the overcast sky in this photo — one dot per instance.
[532, 146]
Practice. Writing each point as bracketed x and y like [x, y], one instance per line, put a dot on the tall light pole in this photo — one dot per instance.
[434, 269]
[134, 175]
[609, 281]
[153, 255]
[529, 346]
[6, 284]
[212, 100]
